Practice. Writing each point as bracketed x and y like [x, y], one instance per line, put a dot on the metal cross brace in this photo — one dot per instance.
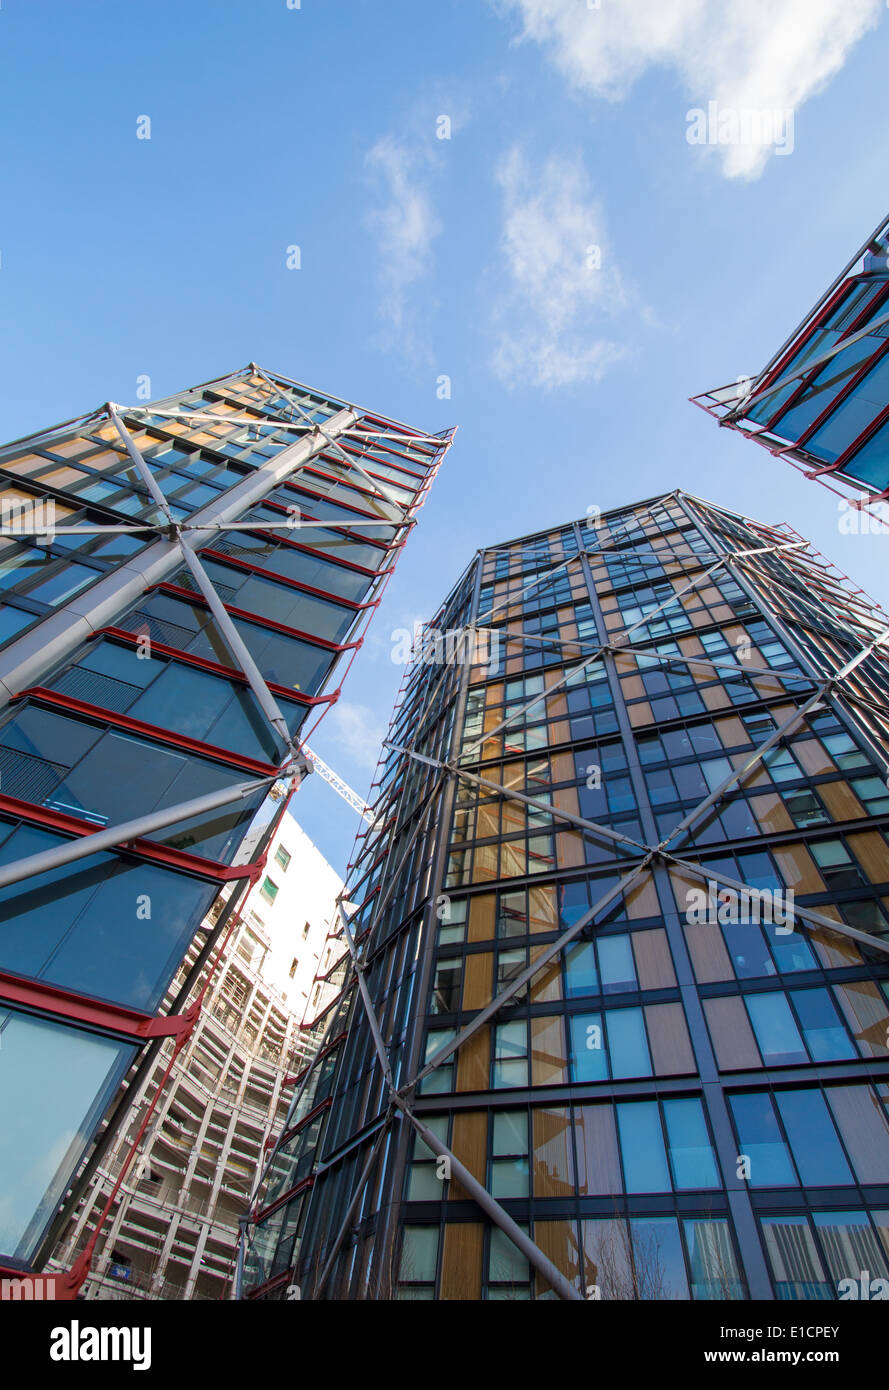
[477, 1190]
[233, 639]
[619, 646]
[744, 406]
[400, 1097]
[663, 850]
[606, 543]
[644, 656]
[252, 421]
[98, 840]
[374, 483]
[588, 660]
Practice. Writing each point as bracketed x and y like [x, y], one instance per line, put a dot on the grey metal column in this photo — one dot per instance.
[737, 1194]
[428, 937]
[24, 661]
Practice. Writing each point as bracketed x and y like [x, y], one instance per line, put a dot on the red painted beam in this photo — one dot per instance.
[194, 864]
[152, 731]
[80, 1008]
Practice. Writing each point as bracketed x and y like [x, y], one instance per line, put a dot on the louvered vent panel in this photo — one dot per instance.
[185, 581]
[28, 778]
[95, 689]
[160, 630]
[233, 548]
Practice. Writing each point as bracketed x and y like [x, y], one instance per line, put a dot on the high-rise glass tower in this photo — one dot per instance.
[822, 400]
[181, 582]
[613, 1006]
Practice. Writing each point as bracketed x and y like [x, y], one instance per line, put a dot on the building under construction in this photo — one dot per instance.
[612, 1006]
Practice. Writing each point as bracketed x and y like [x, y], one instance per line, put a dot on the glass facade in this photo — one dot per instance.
[823, 399]
[125, 694]
[622, 919]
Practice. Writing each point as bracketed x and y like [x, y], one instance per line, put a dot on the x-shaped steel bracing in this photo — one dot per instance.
[295, 765]
[401, 1098]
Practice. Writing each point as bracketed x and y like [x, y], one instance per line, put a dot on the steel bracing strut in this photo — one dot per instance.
[401, 1097]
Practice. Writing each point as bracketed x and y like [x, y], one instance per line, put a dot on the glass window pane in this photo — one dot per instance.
[581, 976]
[37, 733]
[658, 1259]
[607, 1261]
[588, 1059]
[510, 1054]
[72, 928]
[553, 1153]
[446, 986]
[293, 607]
[12, 620]
[760, 1141]
[867, 1016]
[642, 1147]
[711, 1256]
[863, 1123]
[208, 708]
[441, 1079]
[74, 1074]
[791, 950]
[157, 777]
[881, 1222]
[68, 580]
[775, 1029]
[748, 950]
[813, 1139]
[419, 1253]
[283, 660]
[691, 1156]
[510, 1132]
[510, 1177]
[598, 1160]
[825, 1035]
[796, 1266]
[506, 1263]
[616, 963]
[849, 1245]
[627, 1043]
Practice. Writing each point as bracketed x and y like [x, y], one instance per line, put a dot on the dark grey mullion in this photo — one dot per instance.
[715, 1108]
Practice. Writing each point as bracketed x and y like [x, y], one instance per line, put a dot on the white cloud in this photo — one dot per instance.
[753, 55]
[403, 222]
[357, 730]
[563, 284]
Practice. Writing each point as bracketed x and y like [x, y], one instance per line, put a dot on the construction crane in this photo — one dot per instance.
[342, 788]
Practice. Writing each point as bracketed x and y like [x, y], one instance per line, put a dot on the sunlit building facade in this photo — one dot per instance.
[821, 402]
[184, 584]
[618, 1027]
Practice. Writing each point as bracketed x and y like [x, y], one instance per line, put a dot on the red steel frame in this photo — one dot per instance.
[731, 412]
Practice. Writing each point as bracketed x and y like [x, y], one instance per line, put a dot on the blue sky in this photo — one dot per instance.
[422, 257]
